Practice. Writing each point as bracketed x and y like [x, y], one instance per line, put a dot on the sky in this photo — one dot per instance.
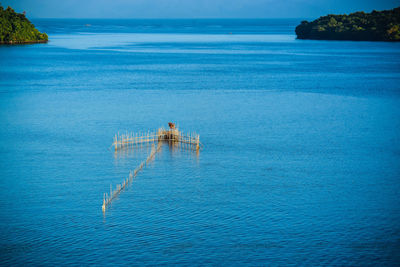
[193, 8]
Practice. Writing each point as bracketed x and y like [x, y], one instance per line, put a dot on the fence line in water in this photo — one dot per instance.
[107, 198]
[173, 135]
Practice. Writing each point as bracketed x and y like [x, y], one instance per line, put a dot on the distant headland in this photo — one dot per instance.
[358, 26]
[15, 28]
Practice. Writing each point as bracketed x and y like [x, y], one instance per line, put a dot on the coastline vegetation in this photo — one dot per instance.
[15, 28]
[358, 26]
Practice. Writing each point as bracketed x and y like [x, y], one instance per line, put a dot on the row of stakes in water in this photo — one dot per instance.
[114, 193]
[161, 134]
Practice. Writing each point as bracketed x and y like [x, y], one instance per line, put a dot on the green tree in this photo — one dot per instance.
[374, 26]
[15, 28]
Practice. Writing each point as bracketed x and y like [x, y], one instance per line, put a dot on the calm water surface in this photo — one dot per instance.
[301, 157]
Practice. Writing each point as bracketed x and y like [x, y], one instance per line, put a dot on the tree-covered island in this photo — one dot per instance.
[15, 28]
[358, 26]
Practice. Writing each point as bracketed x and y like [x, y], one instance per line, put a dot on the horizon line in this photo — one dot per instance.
[199, 18]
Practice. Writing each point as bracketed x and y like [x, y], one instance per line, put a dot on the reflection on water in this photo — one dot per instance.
[138, 150]
[124, 153]
[150, 42]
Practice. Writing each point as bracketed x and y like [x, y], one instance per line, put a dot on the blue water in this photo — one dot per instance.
[300, 163]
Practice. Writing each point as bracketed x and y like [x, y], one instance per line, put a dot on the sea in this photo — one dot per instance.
[300, 146]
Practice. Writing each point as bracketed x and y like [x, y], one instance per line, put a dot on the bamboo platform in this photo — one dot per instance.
[173, 135]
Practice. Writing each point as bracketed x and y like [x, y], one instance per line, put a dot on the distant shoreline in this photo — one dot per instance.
[17, 29]
[25, 42]
[358, 26]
